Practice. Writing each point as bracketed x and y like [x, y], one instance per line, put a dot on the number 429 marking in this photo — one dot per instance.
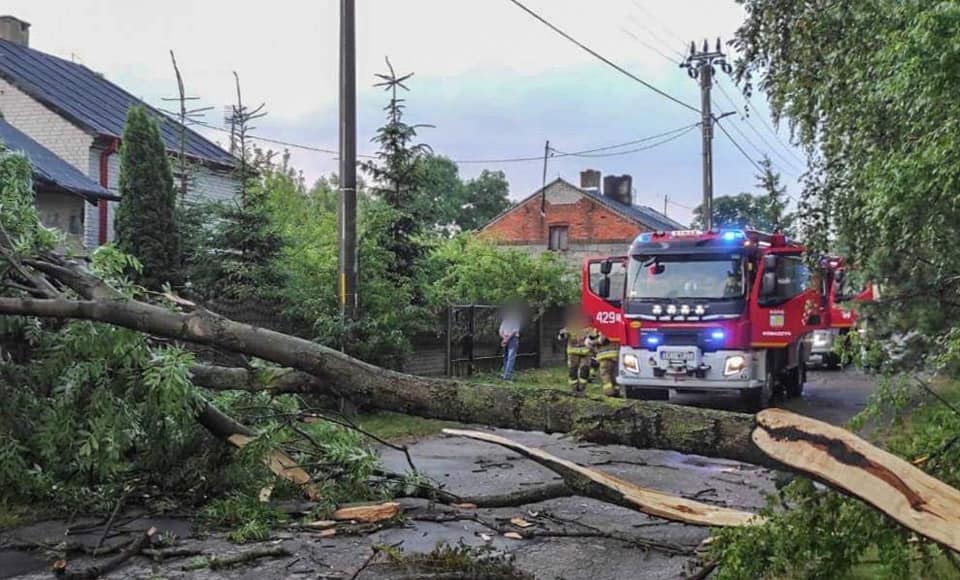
[609, 317]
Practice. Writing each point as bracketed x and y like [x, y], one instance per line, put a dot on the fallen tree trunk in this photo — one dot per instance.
[848, 463]
[605, 487]
[644, 425]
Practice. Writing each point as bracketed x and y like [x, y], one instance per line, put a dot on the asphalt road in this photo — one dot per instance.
[832, 396]
[468, 467]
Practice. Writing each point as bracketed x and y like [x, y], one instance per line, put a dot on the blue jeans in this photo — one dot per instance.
[510, 357]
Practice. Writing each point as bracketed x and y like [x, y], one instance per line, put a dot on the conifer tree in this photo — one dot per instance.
[145, 221]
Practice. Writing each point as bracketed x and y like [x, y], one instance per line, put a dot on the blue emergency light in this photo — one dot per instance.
[717, 335]
[732, 235]
[652, 339]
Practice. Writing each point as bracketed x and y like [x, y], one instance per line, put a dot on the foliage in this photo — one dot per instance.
[145, 221]
[18, 213]
[868, 88]
[467, 270]
[237, 242]
[82, 401]
[814, 533]
[485, 197]
[446, 203]
[250, 518]
[765, 212]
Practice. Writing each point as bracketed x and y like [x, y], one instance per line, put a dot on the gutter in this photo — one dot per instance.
[112, 147]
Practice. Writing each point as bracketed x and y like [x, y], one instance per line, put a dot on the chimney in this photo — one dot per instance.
[590, 179]
[15, 30]
[619, 188]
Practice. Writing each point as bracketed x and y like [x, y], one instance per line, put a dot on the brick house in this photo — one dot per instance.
[78, 116]
[580, 221]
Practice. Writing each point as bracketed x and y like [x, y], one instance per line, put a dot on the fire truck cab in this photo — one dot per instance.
[718, 311]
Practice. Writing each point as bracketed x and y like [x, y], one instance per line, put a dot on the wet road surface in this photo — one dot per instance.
[467, 467]
[831, 396]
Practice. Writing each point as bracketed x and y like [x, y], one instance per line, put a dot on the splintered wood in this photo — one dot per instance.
[282, 465]
[600, 485]
[844, 461]
[368, 514]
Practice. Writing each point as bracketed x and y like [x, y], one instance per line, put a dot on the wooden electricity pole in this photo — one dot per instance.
[700, 65]
[347, 213]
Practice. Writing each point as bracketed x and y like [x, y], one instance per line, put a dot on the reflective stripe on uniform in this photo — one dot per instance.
[607, 355]
[578, 351]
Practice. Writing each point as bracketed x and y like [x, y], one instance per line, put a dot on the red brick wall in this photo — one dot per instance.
[589, 222]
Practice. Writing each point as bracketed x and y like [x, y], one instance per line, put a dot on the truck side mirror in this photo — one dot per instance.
[604, 290]
[606, 267]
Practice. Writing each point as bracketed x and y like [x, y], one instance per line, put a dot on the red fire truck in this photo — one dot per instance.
[718, 311]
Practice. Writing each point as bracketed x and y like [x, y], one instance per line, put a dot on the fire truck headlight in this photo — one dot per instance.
[672, 309]
[685, 309]
[734, 365]
[631, 363]
[657, 310]
[821, 338]
[699, 310]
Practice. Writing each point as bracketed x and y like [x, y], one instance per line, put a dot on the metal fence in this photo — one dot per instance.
[467, 340]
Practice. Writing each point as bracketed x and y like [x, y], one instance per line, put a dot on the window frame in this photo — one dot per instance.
[563, 237]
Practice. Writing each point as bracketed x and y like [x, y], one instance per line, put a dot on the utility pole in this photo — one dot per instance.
[347, 214]
[700, 65]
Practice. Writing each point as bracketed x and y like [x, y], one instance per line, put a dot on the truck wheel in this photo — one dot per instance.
[798, 377]
[759, 399]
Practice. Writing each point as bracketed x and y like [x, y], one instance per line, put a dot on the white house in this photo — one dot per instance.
[79, 116]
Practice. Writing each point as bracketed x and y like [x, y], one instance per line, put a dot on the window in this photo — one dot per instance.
[618, 276]
[792, 276]
[558, 238]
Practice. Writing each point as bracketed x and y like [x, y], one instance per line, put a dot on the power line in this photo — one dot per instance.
[602, 58]
[737, 145]
[744, 153]
[665, 28]
[657, 37]
[648, 45]
[636, 150]
[746, 121]
[681, 130]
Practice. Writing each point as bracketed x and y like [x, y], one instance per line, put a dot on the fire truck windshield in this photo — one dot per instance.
[699, 276]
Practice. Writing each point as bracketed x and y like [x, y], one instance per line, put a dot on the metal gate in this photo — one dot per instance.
[473, 341]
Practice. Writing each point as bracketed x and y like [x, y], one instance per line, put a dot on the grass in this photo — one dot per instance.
[398, 427]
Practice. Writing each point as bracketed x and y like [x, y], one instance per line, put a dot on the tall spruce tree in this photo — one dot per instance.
[145, 220]
[398, 180]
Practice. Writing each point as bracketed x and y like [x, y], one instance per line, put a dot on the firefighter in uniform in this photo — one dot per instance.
[607, 353]
[579, 337]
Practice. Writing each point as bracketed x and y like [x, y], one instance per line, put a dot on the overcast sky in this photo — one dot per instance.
[495, 82]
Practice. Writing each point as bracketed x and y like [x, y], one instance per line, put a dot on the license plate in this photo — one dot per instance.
[676, 355]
